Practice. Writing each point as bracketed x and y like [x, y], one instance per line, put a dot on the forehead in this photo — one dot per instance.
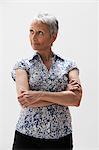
[39, 25]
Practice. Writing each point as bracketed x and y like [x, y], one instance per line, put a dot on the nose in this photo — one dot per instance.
[34, 37]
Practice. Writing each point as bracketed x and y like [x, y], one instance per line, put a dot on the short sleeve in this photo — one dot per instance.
[22, 64]
[72, 65]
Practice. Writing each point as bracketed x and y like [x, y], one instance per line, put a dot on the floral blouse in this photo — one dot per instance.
[53, 121]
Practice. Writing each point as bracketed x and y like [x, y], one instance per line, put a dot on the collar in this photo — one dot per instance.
[37, 55]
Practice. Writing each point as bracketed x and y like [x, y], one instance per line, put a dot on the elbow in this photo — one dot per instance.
[77, 101]
[77, 104]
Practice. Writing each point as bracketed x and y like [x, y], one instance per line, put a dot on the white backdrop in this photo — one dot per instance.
[77, 39]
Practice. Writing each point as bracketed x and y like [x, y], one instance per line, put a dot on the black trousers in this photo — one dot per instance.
[25, 142]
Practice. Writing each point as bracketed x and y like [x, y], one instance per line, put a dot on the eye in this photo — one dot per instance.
[31, 31]
[40, 33]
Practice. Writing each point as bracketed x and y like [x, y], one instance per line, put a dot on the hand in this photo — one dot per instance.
[73, 85]
[27, 98]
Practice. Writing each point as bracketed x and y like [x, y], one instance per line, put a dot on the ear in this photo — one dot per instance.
[54, 36]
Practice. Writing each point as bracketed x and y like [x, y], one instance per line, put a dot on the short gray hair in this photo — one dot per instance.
[50, 20]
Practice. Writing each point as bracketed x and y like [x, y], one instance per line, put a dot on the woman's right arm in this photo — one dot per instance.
[23, 85]
[21, 81]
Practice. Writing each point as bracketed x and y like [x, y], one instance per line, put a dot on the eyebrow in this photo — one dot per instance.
[31, 29]
[36, 31]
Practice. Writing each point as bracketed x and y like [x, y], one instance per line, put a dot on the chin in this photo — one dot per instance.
[37, 48]
[34, 47]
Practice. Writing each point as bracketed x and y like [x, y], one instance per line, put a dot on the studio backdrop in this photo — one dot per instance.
[76, 40]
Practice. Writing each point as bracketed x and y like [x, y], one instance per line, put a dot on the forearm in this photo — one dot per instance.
[30, 98]
[40, 104]
[65, 98]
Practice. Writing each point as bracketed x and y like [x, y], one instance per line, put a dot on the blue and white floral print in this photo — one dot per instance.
[53, 121]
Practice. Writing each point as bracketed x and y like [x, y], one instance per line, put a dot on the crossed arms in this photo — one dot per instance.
[28, 98]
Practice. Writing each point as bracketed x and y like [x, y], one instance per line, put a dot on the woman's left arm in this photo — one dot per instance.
[69, 97]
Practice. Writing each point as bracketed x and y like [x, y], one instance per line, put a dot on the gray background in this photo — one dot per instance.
[77, 39]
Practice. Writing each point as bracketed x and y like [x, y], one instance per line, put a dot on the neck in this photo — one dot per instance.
[46, 55]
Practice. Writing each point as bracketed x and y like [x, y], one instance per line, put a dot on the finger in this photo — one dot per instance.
[72, 80]
[22, 90]
[22, 95]
[23, 103]
[21, 99]
[73, 87]
[76, 89]
[75, 83]
[26, 104]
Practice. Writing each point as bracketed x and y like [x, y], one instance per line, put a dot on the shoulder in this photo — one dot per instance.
[69, 64]
[27, 61]
[66, 61]
[21, 63]
[69, 61]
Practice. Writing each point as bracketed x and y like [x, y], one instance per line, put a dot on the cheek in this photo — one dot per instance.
[30, 41]
[41, 40]
[46, 40]
[30, 38]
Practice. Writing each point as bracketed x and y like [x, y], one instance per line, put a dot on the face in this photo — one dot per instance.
[40, 37]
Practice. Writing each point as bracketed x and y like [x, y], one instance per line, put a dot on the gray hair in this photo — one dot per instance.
[50, 20]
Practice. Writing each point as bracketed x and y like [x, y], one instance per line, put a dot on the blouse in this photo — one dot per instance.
[52, 121]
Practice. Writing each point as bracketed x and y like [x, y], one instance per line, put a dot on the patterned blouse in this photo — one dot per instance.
[53, 121]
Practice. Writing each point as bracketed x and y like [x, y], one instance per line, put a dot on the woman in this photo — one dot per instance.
[46, 85]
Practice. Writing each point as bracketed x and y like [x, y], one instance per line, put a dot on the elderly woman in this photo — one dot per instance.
[46, 85]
